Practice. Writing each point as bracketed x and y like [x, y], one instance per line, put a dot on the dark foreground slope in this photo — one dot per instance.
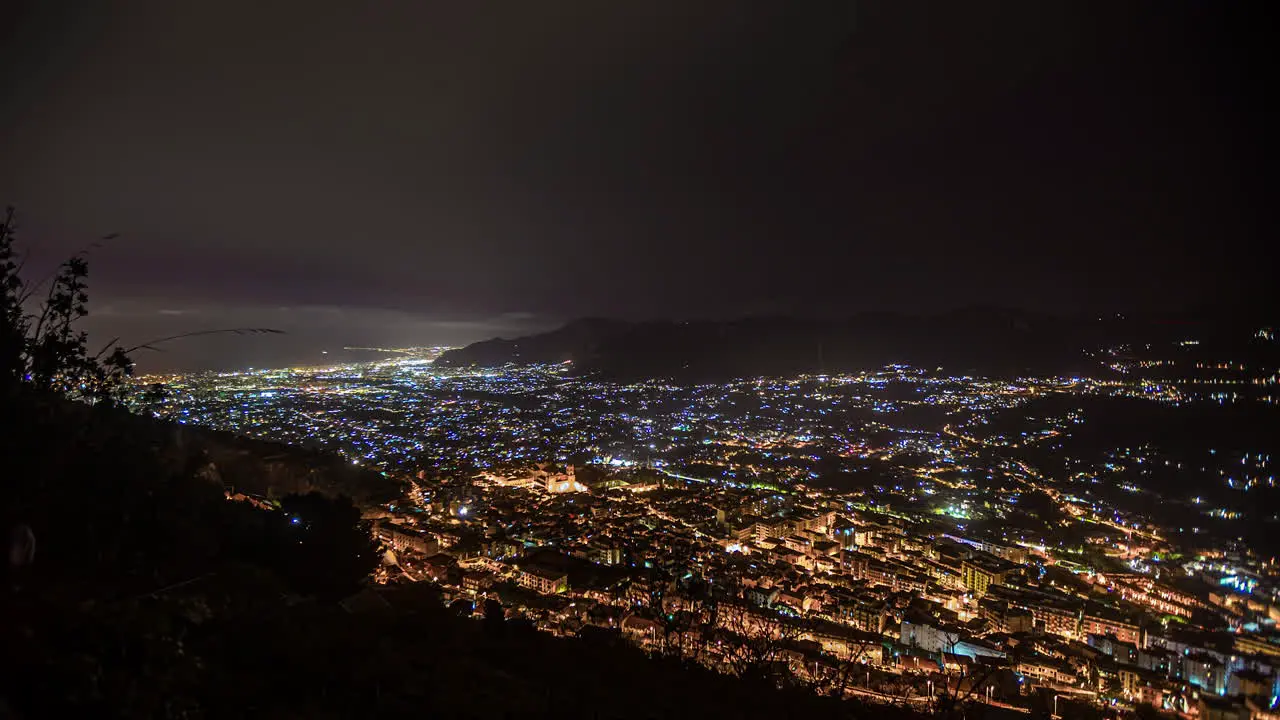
[152, 595]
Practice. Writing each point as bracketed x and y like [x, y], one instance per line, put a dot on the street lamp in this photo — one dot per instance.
[1055, 704]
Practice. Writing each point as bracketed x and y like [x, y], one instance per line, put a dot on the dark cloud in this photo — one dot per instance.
[420, 163]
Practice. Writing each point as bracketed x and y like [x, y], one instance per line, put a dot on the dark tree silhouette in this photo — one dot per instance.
[45, 348]
[495, 617]
[321, 546]
[12, 338]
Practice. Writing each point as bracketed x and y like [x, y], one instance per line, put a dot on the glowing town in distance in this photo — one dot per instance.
[924, 526]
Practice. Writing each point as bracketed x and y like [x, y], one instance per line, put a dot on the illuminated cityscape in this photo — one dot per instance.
[632, 360]
[891, 534]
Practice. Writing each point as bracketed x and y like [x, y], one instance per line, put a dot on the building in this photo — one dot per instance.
[475, 582]
[1250, 683]
[605, 554]
[764, 597]
[560, 482]
[1123, 630]
[640, 629]
[1151, 695]
[855, 563]
[1123, 651]
[1046, 669]
[929, 637]
[1055, 620]
[543, 580]
[438, 566]
[1012, 553]
[1205, 671]
[403, 540]
[975, 649]
[980, 571]
[1256, 644]
[797, 543]
[844, 533]
[866, 615]
[1018, 620]
[1130, 682]
[1156, 659]
[819, 521]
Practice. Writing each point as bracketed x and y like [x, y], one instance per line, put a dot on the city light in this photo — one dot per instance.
[933, 514]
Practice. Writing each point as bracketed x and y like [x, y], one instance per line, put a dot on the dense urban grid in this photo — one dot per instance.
[898, 534]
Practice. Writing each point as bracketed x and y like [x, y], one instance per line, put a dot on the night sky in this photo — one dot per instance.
[425, 172]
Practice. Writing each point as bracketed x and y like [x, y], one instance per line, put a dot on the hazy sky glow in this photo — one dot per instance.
[439, 172]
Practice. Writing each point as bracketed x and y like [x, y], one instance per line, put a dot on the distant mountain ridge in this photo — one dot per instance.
[982, 340]
[710, 350]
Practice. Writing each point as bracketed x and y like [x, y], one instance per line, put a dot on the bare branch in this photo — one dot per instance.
[33, 288]
[150, 344]
[106, 347]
